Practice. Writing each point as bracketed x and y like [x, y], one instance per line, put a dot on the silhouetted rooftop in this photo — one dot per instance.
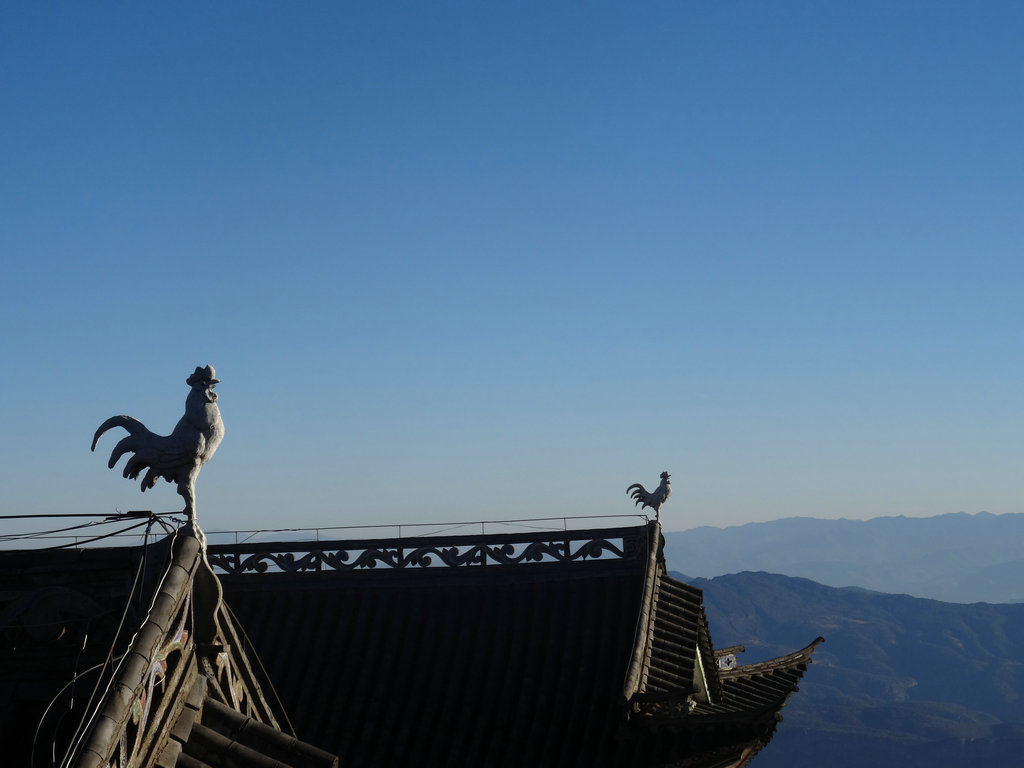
[542, 649]
[563, 648]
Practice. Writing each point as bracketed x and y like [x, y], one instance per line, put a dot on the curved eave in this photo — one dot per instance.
[730, 732]
[750, 693]
[761, 687]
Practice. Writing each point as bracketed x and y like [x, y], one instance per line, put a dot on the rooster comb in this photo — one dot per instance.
[206, 374]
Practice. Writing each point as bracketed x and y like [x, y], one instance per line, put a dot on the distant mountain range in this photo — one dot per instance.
[900, 681]
[957, 557]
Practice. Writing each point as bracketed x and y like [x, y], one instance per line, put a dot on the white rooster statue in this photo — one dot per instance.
[642, 497]
[178, 457]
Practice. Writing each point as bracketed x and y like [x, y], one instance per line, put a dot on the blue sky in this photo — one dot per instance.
[493, 260]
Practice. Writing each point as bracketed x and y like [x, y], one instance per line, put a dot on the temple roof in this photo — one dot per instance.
[486, 665]
[541, 648]
[565, 648]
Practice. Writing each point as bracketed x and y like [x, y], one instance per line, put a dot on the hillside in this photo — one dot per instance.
[899, 681]
[956, 558]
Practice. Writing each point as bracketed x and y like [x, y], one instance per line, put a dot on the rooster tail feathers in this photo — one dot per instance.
[150, 479]
[129, 444]
[638, 493]
[134, 426]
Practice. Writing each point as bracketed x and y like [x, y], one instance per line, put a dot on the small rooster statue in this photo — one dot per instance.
[179, 456]
[654, 500]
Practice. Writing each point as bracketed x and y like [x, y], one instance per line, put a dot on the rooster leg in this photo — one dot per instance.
[187, 490]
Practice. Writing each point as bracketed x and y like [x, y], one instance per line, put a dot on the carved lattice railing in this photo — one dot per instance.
[510, 549]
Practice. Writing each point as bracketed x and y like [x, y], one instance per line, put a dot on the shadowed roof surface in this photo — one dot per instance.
[525, 662]
[501, 651]
[543, 649]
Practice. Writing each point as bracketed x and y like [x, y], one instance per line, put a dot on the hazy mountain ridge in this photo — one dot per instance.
[955, 557]
[899, 681]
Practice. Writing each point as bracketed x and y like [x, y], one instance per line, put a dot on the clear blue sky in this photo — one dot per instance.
[493, 260]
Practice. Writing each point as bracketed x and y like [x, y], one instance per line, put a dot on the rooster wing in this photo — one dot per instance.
[171, 457]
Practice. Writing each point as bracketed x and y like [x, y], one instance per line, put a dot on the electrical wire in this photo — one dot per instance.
[137, 588]
[51, 532]
[87, 714]
[55, 514]
[42, 719]
[76, 544]
[71, 703]
[93, 522]
[168, 528]
[442, 527]
[84, 725]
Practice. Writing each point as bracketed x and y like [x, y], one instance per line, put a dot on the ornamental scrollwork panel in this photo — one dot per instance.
[311, 558]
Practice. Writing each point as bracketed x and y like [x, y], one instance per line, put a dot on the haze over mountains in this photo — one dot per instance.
[901, 680]
[958, 557]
